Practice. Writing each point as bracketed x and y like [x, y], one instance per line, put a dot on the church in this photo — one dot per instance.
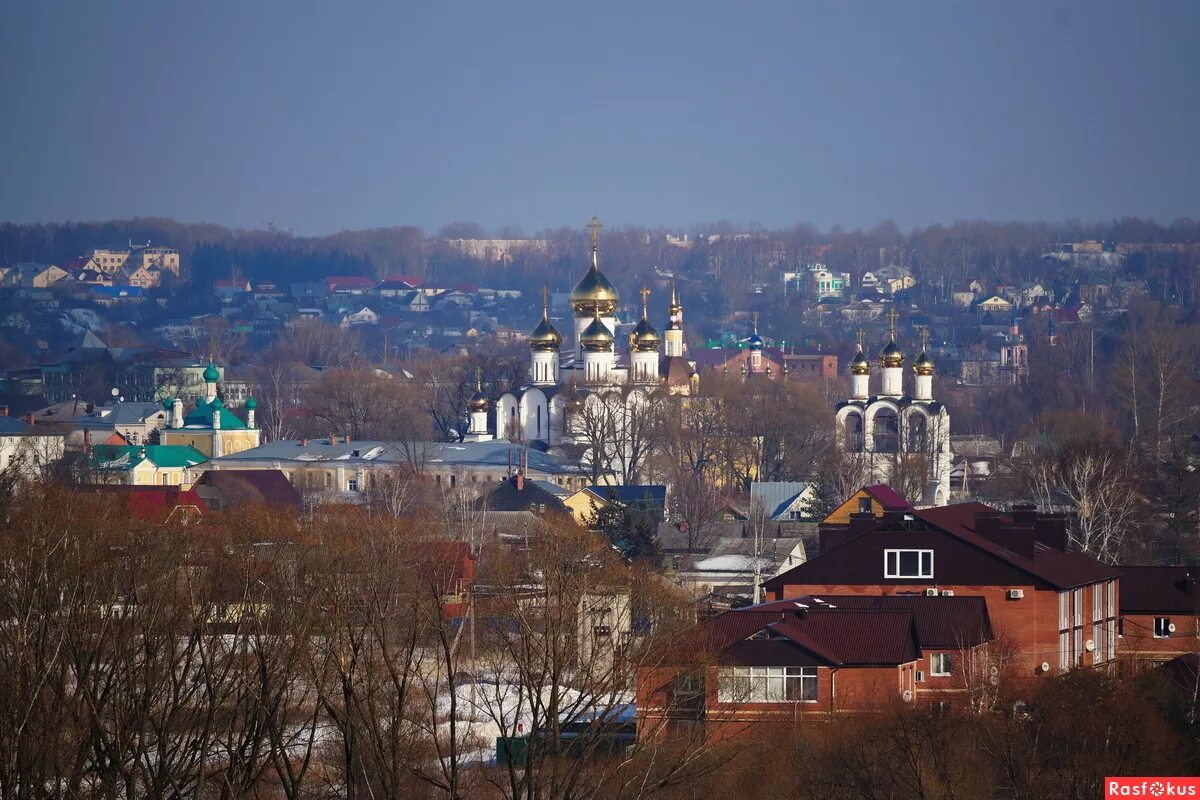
[898, 438]
[566, 387]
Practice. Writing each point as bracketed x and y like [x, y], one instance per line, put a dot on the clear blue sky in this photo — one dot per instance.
[323, 116]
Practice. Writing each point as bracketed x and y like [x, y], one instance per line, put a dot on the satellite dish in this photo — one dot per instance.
[115, 391]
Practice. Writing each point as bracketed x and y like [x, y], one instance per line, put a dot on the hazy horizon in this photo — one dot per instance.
[320, 119]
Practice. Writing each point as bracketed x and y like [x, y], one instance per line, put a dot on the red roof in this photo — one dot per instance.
[942, 622]
[153, 502]
[335, 282]
[888, 497]
[268, 487]
[1160, 590]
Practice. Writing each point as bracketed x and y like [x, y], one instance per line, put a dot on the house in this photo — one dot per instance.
[144, 465]
[516, 494]
[1057, 608]
[222, 490]
[32, 275]
[228, 288]
[414, 302]
[136, 422]
[892, 279]
[168, 504]
[27, 449]
[811, 656]
[349, 284]
[394, 287]
[726, 559]
[585, 503]
[782, 501]
[995, 304]
[452, 299]
[109, 294]
[874, 500]
[1160, 614]
[364, 316]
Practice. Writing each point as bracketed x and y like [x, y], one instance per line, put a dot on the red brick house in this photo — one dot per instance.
[809, 657]
[1057, 608]
[1160, 614]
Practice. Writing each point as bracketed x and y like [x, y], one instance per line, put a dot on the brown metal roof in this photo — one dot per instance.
[1160, 590]
[943, 623]
[836, 637]
[975, 561]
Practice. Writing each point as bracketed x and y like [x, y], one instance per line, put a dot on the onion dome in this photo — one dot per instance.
[217, 403]
[168, 403]
[860, 364]
[923, 365]
[211, 373]
[545, 336]
[644, 338]
[891, 355]
[755, 342]
[251, 403]
[479, 400]
[594, 294]
[596, 337]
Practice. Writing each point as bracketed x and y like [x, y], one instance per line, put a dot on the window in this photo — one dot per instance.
[908, 563]
[352, 485]
[1162, 627]
[1064, 650]
[1064, 619]
[1097, 602]
[1112, 598]
[864, 505]
[939, 664]
[768, 685]
[1078, 646]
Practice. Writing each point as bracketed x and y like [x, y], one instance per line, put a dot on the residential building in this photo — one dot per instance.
[1057, 608]
[639, 498]
[782, 501]
[135, 422]
[811, 656]
[1160, 614]
[27, 449]
[227, 489]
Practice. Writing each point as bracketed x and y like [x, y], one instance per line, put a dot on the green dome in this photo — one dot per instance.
[251, 403]
[211, 374]
[168, 403]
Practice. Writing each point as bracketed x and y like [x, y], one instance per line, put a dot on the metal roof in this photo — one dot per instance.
[777, 497]
[1160, 590]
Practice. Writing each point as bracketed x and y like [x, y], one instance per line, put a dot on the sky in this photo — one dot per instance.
[327, 116]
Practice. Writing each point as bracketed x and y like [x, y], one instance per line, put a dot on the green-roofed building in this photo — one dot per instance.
[146, 465]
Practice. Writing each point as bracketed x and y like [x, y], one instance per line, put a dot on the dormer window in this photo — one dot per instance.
[908, 564]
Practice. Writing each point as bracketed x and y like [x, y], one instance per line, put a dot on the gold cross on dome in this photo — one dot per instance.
[892, 321]
[645, 299]
[924, 338]
[861, 333]
[479, 379]
[756, 322]
[594, 226]
[545, 300]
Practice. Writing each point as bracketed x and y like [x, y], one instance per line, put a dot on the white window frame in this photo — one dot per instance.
[766, 684]
[895, 573]
[940, 665]
[1162, 631]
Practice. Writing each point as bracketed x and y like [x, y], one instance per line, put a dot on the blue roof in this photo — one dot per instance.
[777, 497]
[650, 495]
[118, 291]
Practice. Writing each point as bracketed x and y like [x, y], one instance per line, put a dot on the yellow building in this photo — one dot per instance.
[145, 465]
[211, 428]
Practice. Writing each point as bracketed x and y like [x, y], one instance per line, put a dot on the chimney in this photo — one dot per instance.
[1051, 530]
[333, 438]
[1020, 540]
[520, 482]
[987, 524]
[1024, 514]
[304, 442]
[29, 420]
[3, 411]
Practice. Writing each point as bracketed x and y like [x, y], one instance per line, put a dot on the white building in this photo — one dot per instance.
[901, 438]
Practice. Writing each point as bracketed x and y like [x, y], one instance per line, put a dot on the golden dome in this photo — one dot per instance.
[478, 402]
[644, 337]
[596, 337]
[860, 364]
[891, 355]
[594, 293]
[923, 365]
[545, 336]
